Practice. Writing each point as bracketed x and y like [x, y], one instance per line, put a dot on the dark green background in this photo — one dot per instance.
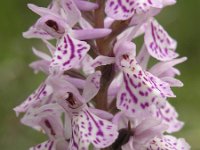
[17, 80]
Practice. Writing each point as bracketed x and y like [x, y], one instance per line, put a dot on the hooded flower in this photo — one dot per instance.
[145, 135]
[48, 118]
[86, 126]
[140, 89]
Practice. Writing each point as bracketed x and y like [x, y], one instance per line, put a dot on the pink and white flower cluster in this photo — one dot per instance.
[100, 91]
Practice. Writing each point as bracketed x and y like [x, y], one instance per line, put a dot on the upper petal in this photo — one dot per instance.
[71, 12]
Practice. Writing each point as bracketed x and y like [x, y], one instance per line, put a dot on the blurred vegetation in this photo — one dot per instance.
[17, 80]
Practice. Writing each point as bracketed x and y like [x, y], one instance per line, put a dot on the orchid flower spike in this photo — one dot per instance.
[101, 89]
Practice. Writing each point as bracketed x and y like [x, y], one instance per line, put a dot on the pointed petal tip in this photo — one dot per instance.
[17, 111]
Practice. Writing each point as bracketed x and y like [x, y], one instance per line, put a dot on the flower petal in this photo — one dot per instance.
[40, 95]
[85, 5]
[88, 128]
[102, 60]
[159, 44]
[161, 68]
[72, 13]
[168, 143]
[41, 54]
[123, 9]
[40, 65]
[88, 34]
[47, 145]
[48, 117]
[138, 91]
[69, 53]
[33, 32]
[92, 86]
[169, 116]
[173, 82]
[162, 86]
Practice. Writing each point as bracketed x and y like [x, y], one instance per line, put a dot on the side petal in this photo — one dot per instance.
[92, 86]
[48, 117]
[168, 142]
[173, 82]
[88, 128]
[68, 54]
[51, 47]
[41, 11]
[41, 54]
[119, 10]
[161, 68]
[162, 86]
[159, 44]
[40, 65]
[47, 145]
[148, 129]
[169, 116]
[42, 93]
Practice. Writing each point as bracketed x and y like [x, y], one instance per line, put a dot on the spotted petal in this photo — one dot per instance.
[48, 117]
[162, 86]
[88, 128]
[168, 143]
[40, 95]
[69, 53]
[47, 145]
[169, 116]
[138, 91]
[159, 44]
[125, 9]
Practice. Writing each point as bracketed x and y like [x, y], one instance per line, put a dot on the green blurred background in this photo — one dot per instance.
[17, 80]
